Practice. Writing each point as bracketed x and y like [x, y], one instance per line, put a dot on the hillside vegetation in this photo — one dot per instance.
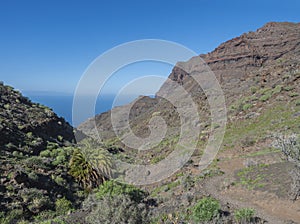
[48, 177]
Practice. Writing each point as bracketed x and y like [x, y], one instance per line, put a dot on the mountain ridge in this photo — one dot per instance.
[238, 64]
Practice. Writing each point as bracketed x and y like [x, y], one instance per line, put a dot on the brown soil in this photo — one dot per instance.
[269, 202]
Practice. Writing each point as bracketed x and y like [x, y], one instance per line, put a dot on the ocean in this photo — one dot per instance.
[62, 104]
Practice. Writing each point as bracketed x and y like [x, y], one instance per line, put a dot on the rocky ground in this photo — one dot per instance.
[35, 146]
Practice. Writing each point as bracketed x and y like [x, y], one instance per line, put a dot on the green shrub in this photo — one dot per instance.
[264, 98]
[63, 206]
[112, 188]
[10, 146]
[46, 153]
[6, 106]
[11, 217]
[29, 135]
[35, 162]
[247, 106]
[288, 88]
[293, 94]
[23, 222]
[59, 180]
[17, 154]
[57, 220]
[33, 176]
[253, 89]
[21, 127]
[35, 199]
[206, 209]
[52, 145]
[38, 204]
[28, 194]
[244, 215]
[265, 91]
[277, 89]
[44, 215]
[60, 138]
[60, 159]
[116, 209]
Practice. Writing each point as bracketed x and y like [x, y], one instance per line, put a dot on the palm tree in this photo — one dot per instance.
[90, 165]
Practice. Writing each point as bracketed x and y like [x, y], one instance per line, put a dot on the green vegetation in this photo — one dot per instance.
[115, 202]
[116, 209]
[263, 95]
[277, 89]
[63, 206]
[244, 215]
[247, 106]
[253, 89]
[264, 98]
[206, 210]
[293, 94]
[112, 188]
[263, 151]
[247, 179]
[174, 218]
[11, 216]
[244, 103]
[165, 187]
[288, 88]
[277, 117]
[290, 148]
[58, 155]
[156, 159]
[90, 165]
[51, 221]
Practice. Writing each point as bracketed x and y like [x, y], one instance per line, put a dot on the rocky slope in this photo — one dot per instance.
[34, 147]
[19, 117]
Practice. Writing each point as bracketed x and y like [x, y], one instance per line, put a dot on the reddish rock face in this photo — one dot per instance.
[253, 57]
[262, 59]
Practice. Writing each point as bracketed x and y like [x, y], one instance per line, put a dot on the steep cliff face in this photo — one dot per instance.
[258, 58]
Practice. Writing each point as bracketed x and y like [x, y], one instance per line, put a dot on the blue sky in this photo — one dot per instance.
[47, 45]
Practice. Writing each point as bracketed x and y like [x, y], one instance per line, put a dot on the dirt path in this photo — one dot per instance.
[267, 205]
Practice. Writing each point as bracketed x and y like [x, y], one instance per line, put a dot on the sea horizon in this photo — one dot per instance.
[62, 103]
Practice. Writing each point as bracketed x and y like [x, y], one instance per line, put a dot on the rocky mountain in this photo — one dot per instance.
[259, 73]
[260, 60]
[254, 58]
